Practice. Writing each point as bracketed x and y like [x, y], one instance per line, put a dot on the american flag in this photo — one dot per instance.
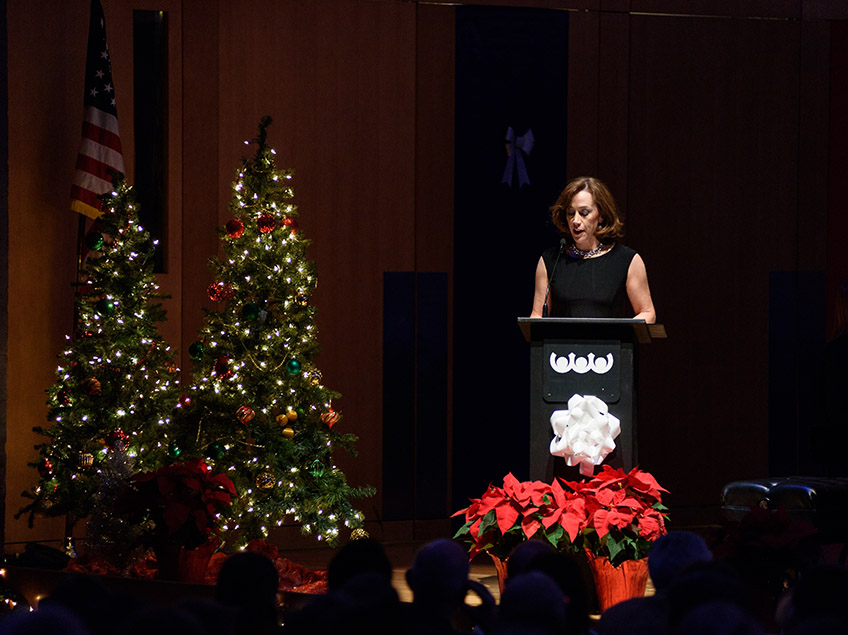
[100, 152]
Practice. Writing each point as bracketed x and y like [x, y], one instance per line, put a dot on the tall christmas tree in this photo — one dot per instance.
[258, 409]
[116, 383]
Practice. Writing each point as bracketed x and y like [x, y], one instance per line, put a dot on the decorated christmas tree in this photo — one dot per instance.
[116, 383]
[258, 410]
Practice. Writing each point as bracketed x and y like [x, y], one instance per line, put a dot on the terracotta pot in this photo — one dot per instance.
[500, 569]
[616, 584]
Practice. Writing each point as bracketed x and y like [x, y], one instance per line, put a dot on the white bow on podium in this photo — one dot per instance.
[584, 432]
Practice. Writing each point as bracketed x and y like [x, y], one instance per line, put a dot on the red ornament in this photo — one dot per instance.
[235, 228]
[331, 417]
[63, 398]
[45, 468]
[290, 224]
[245, 414]
[222, 367]
[266, 223]
[184, 401]
[220, 291]
[92, 386]
[118, 440]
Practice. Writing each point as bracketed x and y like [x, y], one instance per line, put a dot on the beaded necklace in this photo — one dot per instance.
[579, 253]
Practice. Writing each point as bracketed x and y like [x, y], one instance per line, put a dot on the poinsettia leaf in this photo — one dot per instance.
[552, 518]
[573, 522]
[165, 485]
[507, 515]
[599, 521]
[493, 497]
[192, 483]
[218, 499]
[200, 519]
[645, 482]
[223, 482]
[632, 503]
[530, 526]
[489, 521]
[539, 493]
[175, 516]
[558, 494]
[615, 549]
[651, 526]
[463, 530]
[554, 535]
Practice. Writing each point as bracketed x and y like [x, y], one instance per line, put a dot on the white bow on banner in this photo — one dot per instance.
[584, 432]
[516, 149]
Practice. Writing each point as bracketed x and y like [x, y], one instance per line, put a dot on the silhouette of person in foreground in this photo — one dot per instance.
[439, 582]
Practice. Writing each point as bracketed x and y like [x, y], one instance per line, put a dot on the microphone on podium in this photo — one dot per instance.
[551, 277]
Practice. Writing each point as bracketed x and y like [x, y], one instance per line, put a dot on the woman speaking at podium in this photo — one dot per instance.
[590, 274]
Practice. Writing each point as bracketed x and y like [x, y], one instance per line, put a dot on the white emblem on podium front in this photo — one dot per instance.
[581, 365]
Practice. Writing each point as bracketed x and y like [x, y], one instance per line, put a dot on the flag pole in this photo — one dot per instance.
[99, 158]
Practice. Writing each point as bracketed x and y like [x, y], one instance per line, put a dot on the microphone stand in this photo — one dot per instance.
[551, 277]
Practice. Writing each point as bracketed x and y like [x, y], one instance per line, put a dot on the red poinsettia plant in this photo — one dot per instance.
[179, 504]
[616, 514]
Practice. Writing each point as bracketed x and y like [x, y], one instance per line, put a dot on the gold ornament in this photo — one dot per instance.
[315, 377]
[85, 459]
[359, 534]
[282, 419]
[291, 415]
[288, 433]
[265, 481]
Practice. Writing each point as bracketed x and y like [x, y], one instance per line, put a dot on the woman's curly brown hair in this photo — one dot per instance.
[611, 226]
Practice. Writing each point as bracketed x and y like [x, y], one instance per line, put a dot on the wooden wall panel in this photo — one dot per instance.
[583, 94]
[713, 156]
[613, 103]
[45, 117]
[339, 79]
[200, 179]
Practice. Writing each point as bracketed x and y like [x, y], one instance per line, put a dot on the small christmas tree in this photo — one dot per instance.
[258, 409]
[116, 382]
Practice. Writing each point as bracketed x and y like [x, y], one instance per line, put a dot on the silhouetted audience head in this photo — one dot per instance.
[163, 620]
[439, 575]
[720, 618]
[637, 616]
[532, 603]
[215, 617]
[47, 620]
[360, 596]
[520, 558]
[98, 608]
[248, 582]
[673, 553]
[355, 558]
[704, 583]
[366, 603]
[565, 571]
[820, 594]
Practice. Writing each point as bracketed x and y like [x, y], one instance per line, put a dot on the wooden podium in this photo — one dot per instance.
[584, 356]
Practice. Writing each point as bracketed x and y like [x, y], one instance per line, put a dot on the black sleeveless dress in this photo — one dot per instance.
[590, 287]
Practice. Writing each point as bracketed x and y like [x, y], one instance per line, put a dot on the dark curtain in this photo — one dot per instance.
[511, 71]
